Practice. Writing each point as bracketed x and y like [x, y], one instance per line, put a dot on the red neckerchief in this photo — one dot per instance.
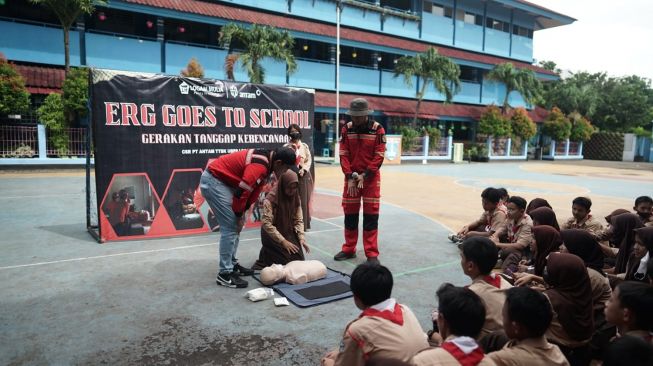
[494, 281]
[471, 359]
[396, 316]
[515, 229]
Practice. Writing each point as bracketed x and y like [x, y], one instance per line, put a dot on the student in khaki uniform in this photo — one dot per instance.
[630, 308]
[629, 350]
[582, 218]
[526, 316]
[460, 317]
[492, 218]
[384, 329]
[518, 231]
[477, 258]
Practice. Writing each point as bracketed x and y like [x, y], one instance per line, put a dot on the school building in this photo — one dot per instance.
[161, 36]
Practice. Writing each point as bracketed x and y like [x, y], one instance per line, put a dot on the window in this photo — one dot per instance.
[192, 32]
[312, 50]
[404, 5]
[24, 10]
[522, 32]
[438, 9]
[470, 74]
[497, 24]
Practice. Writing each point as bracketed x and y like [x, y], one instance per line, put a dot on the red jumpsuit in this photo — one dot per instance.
[361, 151]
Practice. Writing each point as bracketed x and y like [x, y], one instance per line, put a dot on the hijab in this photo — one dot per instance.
[570, 294]
[286, 207]
[537, 203]
[545, 216]
[623, 228]
[584, 245]
[547, 240]
[616, 212]
[638, 265]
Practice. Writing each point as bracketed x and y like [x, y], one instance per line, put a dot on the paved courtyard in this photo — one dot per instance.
[67, 300]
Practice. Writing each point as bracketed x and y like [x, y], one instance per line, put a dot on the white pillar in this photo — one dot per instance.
[43, 141]
[449, 147]
[525, 150]
[426, 148]
[553, 148]
[508, 146]
[567, 148]
[489, 146]
[580, 149]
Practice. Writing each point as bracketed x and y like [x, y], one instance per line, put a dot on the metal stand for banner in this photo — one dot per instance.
[93, 229]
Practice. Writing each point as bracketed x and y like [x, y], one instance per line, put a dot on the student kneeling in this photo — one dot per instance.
[461, 315]
[384, 329]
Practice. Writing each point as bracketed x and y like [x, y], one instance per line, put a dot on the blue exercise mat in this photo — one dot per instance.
[334, 287]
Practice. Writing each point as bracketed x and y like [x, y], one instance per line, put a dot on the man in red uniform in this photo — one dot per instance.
[230, 184]
[362, 146]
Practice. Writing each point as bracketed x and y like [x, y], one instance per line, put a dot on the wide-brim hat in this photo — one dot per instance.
[359, 107]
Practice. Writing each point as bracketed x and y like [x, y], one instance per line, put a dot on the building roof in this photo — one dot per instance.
[42, 79]
[544, 17]
[406, 107]
[323, 29]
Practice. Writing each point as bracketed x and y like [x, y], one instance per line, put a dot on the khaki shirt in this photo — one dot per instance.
[493, 298]
[267, 221]
[439, 356]
[529, 352]
[589, 223]
[492, 221]
[519, 233]
[601, 290]
[370, 336]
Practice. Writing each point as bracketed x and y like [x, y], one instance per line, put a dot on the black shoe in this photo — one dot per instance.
[230, 279]
[343, 256]
[373, 261]
[242, 271]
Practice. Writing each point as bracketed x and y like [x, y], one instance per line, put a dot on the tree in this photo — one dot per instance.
[68, 11]
[14, 97]
[551, 66]
[625, 103]
[581, 128]
[193, 69]
[51, 114]
[258, 42]
[431, 68]
[522, 125]
[557, 125]
[522, 81]
[75, 94]
[580, 92]
[493, 123]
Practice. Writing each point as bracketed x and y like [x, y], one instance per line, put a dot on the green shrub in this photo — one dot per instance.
[557, 126]
[408, 136]
[75, 93]
[493, 123]
[51, 114]
[522, 125]
[434, 136]
[14, 97]
[581, 128]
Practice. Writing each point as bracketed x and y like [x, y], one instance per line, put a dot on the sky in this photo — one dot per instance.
[608, 35]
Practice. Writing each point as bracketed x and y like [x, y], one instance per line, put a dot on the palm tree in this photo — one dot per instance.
[431, 68]
[258, 42]
[68, 11]
[520, 80]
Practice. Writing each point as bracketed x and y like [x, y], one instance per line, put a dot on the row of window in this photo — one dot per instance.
[477, 19]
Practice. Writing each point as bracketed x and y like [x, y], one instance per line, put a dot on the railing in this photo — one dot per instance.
[421, 148]
[19, 141]
[37, 142]
[565, 150]
[506, 149]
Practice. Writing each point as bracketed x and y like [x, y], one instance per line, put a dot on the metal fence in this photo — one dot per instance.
[19, 141]
[38, 141]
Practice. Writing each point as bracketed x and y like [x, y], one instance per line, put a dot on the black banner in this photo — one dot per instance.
[154, 134]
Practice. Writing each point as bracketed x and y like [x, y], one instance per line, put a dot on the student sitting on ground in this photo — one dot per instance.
[644, 209]
[631, 351]
[636, 269]
[460, 317]
[478, 257]
[504, 196]
[536, 203]
[546, 239]
[384, 329]
[623, 237]
[582, 218]
[527, 315]
[493, 217]
[544, 216]
[630, 308]
[518, 230]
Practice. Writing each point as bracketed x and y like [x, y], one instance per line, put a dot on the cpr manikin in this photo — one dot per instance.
[294, 273]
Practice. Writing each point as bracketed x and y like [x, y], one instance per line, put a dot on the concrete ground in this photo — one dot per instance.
[67, 300]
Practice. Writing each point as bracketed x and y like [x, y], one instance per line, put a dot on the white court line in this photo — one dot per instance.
[137, 252]
[328, 222]
[42, 195]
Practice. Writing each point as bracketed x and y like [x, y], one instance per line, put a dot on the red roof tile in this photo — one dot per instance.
[292, 23]
[406, 107]
[42, 79]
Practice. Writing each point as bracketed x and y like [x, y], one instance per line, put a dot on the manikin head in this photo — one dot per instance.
[272, 274]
